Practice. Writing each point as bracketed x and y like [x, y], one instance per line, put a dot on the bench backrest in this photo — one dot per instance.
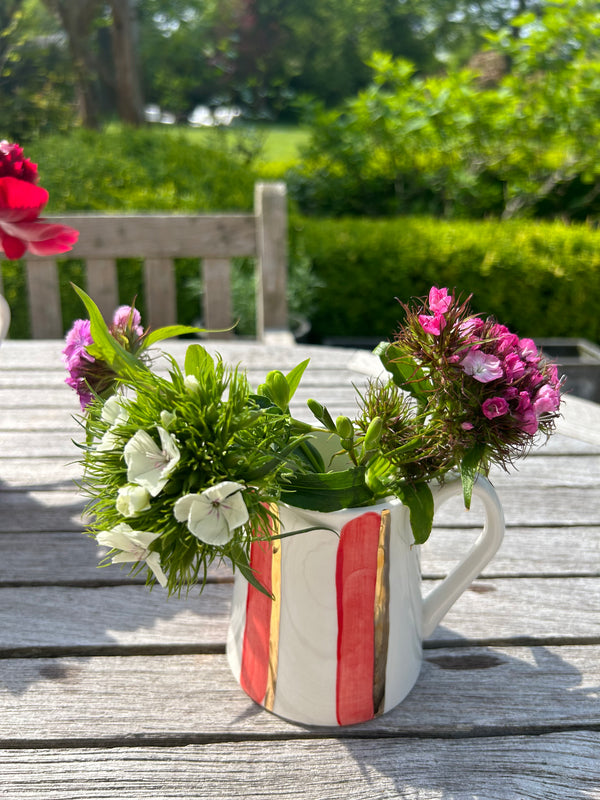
[160, 238]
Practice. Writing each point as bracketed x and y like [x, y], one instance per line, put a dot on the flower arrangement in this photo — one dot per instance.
[21, 203]
[186, 467]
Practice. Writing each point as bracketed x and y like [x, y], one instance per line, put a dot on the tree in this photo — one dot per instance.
[125, 45]
[36, 91]
[81, 21]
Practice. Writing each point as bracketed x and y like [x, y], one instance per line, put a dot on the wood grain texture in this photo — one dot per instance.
[507, 610]
[187, 698]
[108, 690]
[161, 235]
[49, 557]
[555, 766]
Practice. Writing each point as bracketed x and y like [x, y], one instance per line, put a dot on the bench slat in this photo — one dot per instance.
[217, 305]
[162, 235]
[102, 285]
[44, 299]
[159, 288]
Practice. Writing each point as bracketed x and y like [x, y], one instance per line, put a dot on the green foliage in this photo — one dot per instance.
[457, 145]
[36, 90]
[539, 278]
[141, 170]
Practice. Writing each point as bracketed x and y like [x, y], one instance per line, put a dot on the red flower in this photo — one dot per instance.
[20, 229]
[14, 165]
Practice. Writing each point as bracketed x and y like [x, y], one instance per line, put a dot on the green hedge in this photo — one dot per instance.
[540, 279]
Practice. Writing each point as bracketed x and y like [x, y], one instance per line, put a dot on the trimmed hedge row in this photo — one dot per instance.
[540, 279]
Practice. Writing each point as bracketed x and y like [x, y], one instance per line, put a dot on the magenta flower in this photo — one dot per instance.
[471, 326]
[523, 403]
[528, 421]
[546, 400]
[439, 300]
[494, 407]
[433, 324]
[513, 366]
[507, 342]
[75, 343]
[481, 366]
[529, 350]
[125, 315]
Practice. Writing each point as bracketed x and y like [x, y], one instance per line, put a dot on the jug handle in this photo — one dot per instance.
[440, 599]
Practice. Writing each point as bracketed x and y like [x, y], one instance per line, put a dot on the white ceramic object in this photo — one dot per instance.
[340, 642]
[4, 317]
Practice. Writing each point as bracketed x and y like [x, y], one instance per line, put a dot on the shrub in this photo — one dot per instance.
[142, 170]
[540, 279]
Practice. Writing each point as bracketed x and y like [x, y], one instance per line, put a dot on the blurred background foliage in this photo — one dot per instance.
[421, 141]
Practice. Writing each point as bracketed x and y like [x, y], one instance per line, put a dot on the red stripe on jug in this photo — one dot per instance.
[356, 578]
[255, 648]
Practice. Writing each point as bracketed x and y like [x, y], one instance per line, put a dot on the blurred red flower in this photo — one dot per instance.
[21, 203]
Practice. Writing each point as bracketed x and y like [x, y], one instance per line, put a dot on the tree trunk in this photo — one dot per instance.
[124, 35]
[76, 17]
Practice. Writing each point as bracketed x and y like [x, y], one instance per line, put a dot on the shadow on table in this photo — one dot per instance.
[477, 715]
[55, 602]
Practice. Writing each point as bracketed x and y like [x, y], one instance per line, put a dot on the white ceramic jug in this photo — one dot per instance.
[340, 642]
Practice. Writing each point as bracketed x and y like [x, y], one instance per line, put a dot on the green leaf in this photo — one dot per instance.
[405, 372]
[196, 360]
[380, 476]
[419, 499]
[469, 469]
[240, 561]
[327, 491]
[295, 376]
[168, 332]
[106, 346]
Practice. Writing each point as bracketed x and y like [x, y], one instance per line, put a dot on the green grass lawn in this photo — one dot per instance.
[279, 144]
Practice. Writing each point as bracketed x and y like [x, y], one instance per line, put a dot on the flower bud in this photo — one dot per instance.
[373, 434]
[321, 414]
[279, 389]
[344, 428]
[132, 500]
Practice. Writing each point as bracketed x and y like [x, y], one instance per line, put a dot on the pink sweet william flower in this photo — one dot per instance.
[494, 407]
[481, 366]
[547, 400]
[471, 326]
[439, 300]
[529, 350]
[21, 203]
[76, 341]
[433, 324]
[528, 421]
[123, 315]
[513, 366]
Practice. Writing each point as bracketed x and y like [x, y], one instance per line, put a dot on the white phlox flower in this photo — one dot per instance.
[113, 411]
[115, 414]
[132, 500]
[134, 547]
[149, 465]
[213, 515]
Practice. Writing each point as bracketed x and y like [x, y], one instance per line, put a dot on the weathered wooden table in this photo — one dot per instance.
[107, 690]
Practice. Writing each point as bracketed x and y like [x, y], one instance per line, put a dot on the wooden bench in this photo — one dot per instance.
[160, 238]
